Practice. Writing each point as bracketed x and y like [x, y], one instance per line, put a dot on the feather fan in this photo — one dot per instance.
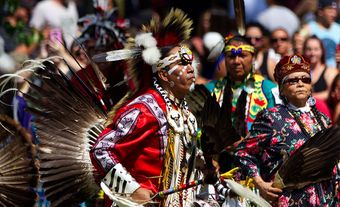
[196, 100]
[67, 125]
[68, 120]
[217, 125]
[18, 170]
[313, 162]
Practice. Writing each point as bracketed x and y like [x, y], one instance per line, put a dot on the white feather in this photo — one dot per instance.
[145, 40]
[116, 55]
[246, 193]
[151, 55]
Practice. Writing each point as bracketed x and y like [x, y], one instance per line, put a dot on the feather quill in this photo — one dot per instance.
[246, 193]
[240, 16]
[116, 55]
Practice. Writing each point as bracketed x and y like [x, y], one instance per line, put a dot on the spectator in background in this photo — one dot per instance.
[255, 32]
[322, 75]
[7, 64]
[280, 46]
[61, 14]
[278, 16]
[325, 28]
[304, 9]
[214, 20]
[298, 40]
[20, 40]
[334, 100]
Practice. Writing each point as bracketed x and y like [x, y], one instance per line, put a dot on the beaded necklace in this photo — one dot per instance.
[182, 132]
[308, 132]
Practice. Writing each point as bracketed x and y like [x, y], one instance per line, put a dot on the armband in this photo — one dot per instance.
[120, 181]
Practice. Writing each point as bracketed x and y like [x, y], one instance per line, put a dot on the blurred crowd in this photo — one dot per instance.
[37, 29]
[276, 28]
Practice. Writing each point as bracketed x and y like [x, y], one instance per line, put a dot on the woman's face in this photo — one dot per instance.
[296, 88]
[313, 51]
[335, 94]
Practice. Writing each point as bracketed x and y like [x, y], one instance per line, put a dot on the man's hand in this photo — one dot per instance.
[141, 195]
[267, 191]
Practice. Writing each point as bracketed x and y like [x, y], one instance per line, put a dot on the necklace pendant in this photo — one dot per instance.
[192, 124]
[176, 121]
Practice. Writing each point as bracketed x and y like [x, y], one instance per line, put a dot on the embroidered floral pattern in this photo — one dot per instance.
[261, 153]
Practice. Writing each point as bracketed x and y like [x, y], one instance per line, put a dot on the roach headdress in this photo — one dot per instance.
[144, 54]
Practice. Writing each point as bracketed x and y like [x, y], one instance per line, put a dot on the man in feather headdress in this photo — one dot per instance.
[149, 144]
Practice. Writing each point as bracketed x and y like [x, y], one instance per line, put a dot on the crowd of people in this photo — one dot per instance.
[278, 85]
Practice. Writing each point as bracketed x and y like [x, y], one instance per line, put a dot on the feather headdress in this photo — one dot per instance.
[148, 47]
[18, 169]
[313, 162]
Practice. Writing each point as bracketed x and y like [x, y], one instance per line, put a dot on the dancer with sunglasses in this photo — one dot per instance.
[282, 130]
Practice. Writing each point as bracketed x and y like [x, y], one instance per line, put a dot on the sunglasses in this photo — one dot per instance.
[284, 39]
[294, 81]
[257, 39]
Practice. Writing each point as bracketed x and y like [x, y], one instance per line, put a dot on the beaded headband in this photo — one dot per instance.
[291, 64]
[237, 50]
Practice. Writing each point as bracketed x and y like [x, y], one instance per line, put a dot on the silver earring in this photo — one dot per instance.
[172, 84]
[311, 100]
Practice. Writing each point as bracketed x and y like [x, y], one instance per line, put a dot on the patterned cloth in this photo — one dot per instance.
[275, 130]
[139, 139]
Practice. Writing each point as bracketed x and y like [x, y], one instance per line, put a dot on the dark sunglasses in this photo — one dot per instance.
[294, 81]
[284, 39]
[257, 39]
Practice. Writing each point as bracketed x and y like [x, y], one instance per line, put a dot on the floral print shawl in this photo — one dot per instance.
[275, 130]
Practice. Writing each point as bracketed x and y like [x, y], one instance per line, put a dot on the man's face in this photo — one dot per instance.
[181, 75]
[254, 34]
[238, 65]
[280, 42]
[328, 15]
